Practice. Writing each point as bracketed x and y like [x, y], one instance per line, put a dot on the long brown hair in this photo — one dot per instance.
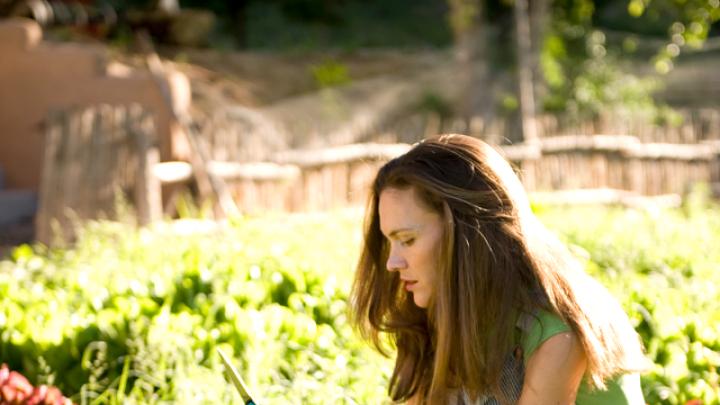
[497, 262]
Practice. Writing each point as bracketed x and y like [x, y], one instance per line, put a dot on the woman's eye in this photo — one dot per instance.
[408, 242]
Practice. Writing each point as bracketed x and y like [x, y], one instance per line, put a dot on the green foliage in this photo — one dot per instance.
[584, 76]
[351, 24]
[603, 86]
[509, 103]
[134, 316]
[663, 266]
[463, 14]
[435, 103]
[691, 22]
[330, 74]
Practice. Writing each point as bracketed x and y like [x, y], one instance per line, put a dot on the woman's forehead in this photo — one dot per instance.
[402, 209]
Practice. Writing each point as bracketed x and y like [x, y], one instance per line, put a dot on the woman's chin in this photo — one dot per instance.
[420, 300]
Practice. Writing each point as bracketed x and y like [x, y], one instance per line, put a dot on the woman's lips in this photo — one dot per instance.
[409, 284]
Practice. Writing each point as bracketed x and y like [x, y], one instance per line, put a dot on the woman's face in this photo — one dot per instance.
[414, 234]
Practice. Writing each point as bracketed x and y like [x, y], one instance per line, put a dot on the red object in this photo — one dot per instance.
[15, 389]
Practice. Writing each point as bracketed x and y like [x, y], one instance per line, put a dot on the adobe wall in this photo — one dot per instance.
[37, 77]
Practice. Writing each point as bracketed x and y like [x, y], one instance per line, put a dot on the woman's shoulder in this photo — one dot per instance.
[538, 326]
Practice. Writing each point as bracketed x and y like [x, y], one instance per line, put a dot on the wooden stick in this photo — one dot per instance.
[147, 186]
[208, 183]
[53, 138]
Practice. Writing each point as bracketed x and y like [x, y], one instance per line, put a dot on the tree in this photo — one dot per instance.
[526, 88]
[539, 18]
[469, 29]
[693, 19]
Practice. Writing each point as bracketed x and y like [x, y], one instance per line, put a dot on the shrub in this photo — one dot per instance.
[134, 316]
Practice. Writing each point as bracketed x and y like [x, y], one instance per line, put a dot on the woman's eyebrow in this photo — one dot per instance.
[400, 230]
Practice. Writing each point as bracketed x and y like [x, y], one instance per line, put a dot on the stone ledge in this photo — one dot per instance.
[20, 33]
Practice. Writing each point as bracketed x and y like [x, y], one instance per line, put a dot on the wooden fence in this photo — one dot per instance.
[302, 180]
[621, 165]
[688, 125]
[93, 155]
[239, 134]
[694, 125]
[615, 162]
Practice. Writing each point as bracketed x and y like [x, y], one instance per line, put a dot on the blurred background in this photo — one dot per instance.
[182, 160]
[285, 104]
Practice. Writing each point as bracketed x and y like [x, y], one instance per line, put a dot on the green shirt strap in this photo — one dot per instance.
[538, 327]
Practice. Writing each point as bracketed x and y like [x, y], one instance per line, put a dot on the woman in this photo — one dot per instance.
[483, 304]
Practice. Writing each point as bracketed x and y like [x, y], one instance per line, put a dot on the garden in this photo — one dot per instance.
[135, 315]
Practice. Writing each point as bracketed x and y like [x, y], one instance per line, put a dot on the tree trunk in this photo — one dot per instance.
[539, 18]
[524, 68]
[167, 6]
[471, 60]
[238, 14]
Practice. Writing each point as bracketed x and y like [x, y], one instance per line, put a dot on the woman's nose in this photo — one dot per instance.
[395, 262]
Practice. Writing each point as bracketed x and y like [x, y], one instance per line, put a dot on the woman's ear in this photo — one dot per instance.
[448, 227]
[447, 216]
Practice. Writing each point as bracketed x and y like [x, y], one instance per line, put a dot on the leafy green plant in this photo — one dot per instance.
[662, 265]
[134, 316]
[330, 74]
[585, 79]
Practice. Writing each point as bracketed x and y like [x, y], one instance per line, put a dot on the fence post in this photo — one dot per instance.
[148, 199]
[715, 168]
[53, 138]
[91, 155]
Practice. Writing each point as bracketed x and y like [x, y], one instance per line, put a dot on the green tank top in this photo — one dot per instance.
[622, 390]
